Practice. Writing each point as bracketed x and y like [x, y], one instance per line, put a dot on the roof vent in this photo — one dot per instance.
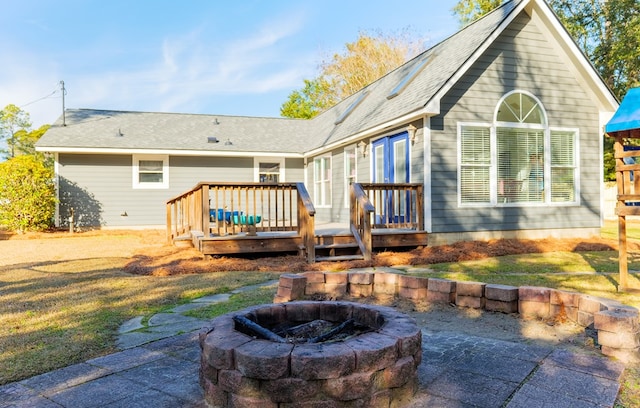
[119, 133]
[212, 139]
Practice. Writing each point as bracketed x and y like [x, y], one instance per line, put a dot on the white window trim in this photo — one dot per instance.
[135, 168]
[493, 171]
[267, 159]
[578, 167]
[317, 193]
[529, 94]
[347, 190]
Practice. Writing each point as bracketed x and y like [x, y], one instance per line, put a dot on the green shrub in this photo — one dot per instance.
[27, 194]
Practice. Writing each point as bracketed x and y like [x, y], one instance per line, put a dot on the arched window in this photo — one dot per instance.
[519, 107]
[518, 159]
[520, 124]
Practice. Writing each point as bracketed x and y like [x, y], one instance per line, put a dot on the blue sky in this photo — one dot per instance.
[228, 58]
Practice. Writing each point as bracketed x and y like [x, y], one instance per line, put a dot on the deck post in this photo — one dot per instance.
[361, 210]
[306, 222]
[169, 224]
[420, 207]
[623, 181]
[205, 209]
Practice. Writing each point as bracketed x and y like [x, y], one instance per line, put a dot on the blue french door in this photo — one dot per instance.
[391, 165]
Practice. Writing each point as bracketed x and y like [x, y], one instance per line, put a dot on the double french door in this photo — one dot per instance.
[390, 159]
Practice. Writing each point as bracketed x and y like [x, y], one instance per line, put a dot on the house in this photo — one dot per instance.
[501, 124]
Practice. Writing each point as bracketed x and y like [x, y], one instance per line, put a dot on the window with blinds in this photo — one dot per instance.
[150, 171]
[563, 166]
[475, 164]
[517, 159]
[520, 165]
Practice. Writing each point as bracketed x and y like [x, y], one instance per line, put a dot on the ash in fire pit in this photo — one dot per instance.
[316, 331]
[314, 353]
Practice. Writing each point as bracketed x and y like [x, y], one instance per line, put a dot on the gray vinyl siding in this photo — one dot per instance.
[294, 170]
[99, 187]
[520, 59]
[417, 163]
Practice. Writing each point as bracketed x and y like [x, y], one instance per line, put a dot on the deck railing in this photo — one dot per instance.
[218, 208]
[360, 225]
[398, 205]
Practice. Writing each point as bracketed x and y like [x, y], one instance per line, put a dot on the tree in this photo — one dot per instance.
[608, 32]
[471, 10]
[12, 120]
[364, 61]
[311, 100]
[24, 142]
[27, 194]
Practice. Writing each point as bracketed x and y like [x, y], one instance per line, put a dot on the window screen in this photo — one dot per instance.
[475, 151]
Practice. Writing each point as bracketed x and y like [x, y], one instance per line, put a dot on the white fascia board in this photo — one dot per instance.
[430, 110]
[585, 72]
[170, 152]
[477, 54]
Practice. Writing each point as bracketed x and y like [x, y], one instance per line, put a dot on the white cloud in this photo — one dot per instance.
[189, 71]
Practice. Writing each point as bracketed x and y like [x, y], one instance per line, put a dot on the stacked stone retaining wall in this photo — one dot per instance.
[617, 325]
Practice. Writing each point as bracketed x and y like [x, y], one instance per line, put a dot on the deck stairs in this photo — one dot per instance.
[339, 247]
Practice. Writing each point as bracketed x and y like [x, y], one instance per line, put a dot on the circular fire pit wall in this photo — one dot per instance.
[374, 364]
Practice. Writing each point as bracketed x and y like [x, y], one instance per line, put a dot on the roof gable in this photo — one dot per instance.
[433, 68]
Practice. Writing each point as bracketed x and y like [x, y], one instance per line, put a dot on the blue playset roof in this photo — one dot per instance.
[627, 117]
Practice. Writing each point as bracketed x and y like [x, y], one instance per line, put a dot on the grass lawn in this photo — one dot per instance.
[67, 311]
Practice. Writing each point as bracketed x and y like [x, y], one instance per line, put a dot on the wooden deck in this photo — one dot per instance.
[252, 218]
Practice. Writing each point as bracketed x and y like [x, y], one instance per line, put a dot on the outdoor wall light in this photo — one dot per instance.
[411, 130]
[363, 148]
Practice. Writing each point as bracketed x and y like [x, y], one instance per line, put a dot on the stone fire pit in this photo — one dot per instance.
[374, 365]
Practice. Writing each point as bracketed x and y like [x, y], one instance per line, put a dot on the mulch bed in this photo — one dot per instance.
[169, 260]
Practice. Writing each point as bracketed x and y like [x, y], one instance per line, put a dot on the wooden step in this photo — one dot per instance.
[336, 249]
[340, 258]
[337, 246]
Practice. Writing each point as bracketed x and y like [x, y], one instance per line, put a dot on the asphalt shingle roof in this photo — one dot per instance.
[101, 129]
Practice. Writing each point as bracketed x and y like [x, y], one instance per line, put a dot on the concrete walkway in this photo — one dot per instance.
[159, 362]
